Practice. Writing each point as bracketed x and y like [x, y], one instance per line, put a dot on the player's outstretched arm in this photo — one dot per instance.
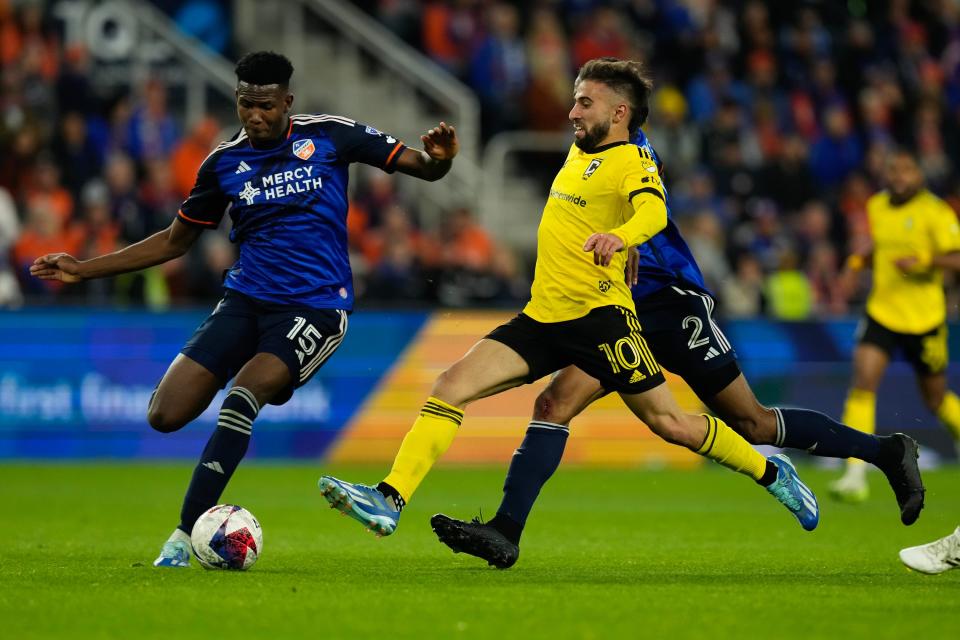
[440, 146]
[162, 246]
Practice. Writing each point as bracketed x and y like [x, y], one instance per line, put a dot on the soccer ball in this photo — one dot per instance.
[227, 537]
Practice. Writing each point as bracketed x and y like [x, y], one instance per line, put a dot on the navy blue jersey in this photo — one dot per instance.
[665, 259]
[288, 205]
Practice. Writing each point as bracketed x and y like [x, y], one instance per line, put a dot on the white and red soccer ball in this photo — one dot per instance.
[227, 537]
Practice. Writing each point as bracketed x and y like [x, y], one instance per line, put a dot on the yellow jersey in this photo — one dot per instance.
[924, 226]
[614, 189]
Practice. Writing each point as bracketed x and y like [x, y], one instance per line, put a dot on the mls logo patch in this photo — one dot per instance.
[372, 131]
[592, 167]
[303, 149]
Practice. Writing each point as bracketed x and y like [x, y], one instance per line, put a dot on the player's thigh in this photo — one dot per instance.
[184, 392]
[875, 347]
[570, 392]
[488, 368]
[933, 388]
[301, 338]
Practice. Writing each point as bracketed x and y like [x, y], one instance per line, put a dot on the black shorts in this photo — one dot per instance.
[241, 327]
[679, 326]
[926, 352]
[606, 343]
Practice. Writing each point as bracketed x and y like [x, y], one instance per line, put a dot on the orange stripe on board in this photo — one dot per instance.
[204, 222]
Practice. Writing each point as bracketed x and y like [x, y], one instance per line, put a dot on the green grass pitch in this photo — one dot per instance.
[624, 554]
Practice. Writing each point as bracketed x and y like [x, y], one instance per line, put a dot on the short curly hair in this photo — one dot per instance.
[264, 67]
[629, 78]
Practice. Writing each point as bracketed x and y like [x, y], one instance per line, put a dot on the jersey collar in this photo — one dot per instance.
[604, 147]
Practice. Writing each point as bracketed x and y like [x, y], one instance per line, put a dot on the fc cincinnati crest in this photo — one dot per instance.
[592, 167]
[303, 149]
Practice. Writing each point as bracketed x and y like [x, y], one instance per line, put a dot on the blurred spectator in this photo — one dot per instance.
[788, 291]
[705, 237]
[668, 131]
[838, 151]
[548, 99]
[788, 179]
[45, 190]
[151, 130]
[604, 33]
[741, 294]
[76, 154]
[499, 71]
[190, 153]
[450, 31]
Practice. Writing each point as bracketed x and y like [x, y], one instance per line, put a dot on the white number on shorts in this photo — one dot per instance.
[695, 339]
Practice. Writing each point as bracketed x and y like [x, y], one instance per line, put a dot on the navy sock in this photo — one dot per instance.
[221, 456]
[822, 436]
[532, 465]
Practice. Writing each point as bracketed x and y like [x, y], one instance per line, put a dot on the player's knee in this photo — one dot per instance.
[550, 408]
[162, 420]
[450, 388]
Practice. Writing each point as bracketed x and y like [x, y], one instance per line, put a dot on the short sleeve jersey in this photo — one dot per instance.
[288, 205]
[593, 192]
[924, 226]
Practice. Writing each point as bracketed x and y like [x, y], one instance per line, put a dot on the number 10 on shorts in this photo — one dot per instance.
[629, 353]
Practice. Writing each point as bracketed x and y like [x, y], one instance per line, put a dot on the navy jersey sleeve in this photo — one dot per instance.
[360, 143]
[207, 202]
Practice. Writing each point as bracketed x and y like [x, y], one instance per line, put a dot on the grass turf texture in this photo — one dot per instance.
[607, 554]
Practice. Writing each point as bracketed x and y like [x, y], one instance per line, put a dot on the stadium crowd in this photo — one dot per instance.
[773, 120]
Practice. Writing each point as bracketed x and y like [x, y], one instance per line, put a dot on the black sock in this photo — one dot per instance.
[532, 465]
[822, 436]
[389, 492]
[221, 456]
[769, 475]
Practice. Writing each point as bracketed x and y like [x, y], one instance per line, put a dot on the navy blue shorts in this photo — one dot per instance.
[684, 338]
[241, 327]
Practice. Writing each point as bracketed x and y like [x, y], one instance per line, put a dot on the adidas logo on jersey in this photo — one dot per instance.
[637, 376]
[243, 167]
[712, 353]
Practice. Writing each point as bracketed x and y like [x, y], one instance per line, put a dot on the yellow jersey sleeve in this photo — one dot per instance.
[642, 190]
[945, 229]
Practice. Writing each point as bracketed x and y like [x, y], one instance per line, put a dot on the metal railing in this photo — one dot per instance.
[513, 203]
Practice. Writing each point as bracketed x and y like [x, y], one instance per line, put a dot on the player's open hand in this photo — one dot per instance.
[632, 271]
[56, 266]
[603, 245]
[441, 143]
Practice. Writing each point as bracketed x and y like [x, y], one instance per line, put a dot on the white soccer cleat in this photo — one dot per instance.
[851, 487]
[934, 557]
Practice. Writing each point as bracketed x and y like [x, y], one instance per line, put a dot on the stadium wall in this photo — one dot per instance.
[75, 384]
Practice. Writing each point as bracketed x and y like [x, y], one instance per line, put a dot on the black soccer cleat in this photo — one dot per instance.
[900, 466]
[476, 539]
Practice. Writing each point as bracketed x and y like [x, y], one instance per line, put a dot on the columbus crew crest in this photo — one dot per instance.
[592, 167]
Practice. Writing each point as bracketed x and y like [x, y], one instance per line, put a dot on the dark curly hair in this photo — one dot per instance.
[264, 67]
[629, 78]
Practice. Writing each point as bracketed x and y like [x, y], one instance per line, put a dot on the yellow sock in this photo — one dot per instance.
[860, 412]
[426, 441]
[949, 413]
[728, 448]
